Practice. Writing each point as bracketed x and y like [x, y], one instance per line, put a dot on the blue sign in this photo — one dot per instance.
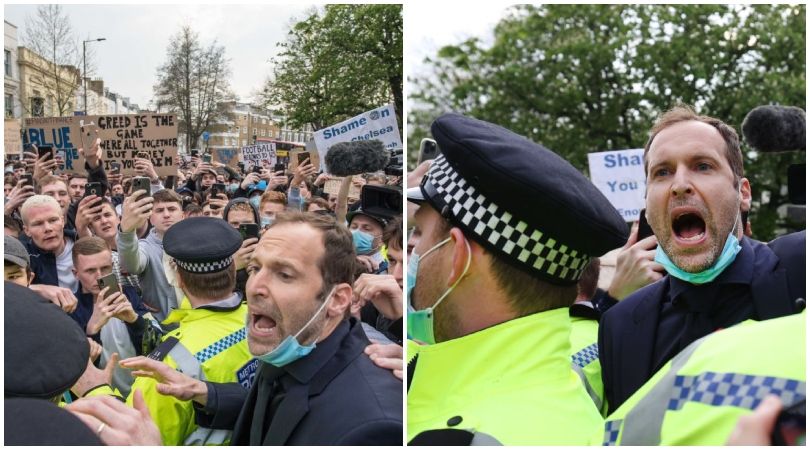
[206, 135]
[79, 113]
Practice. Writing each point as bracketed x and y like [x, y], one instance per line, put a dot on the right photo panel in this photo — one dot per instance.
[605, 218]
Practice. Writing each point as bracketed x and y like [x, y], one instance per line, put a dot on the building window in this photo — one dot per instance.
[254, 131]
[8, 63]
[263, 132]
[37, 106]
[244, 129]
[244, 142]
[9, 105]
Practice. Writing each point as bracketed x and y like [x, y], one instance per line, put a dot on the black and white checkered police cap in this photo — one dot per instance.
[202, 244]
[518, 199]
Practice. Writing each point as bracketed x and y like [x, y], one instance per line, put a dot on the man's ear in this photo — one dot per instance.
[462, 253]
[745, 194]
[341, 301]
[30, 275]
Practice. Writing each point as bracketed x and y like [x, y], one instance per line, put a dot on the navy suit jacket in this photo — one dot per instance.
[337, 397]
[627, 331]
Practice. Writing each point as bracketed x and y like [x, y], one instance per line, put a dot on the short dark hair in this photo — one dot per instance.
[167, 196]
[684, 113]
[586, 288]
[528, 294]
[337, 265]
[316, 201]
[88, 245]
[213, 286]
[12, 223]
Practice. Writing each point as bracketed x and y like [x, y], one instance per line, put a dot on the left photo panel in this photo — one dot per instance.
[203, 224]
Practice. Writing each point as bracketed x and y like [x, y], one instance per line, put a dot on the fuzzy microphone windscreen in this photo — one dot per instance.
[356, 157]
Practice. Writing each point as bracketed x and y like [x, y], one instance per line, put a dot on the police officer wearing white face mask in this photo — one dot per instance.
[507, 228]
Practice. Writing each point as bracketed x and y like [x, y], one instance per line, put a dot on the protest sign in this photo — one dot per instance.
[619, 175]
[332, 187]
[11, 138]
[379, 123]
[227, 156]
[314, 158]
[123, 136]
[259, 154]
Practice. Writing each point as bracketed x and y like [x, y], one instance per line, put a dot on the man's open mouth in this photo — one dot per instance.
[262, 325]
[689, 226]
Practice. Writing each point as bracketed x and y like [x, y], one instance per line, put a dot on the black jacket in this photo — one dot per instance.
[627, 331]
[336, 396]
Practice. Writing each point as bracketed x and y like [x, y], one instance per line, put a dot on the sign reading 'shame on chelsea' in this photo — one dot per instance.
[123, 137]
[379, 123]
[619, 175]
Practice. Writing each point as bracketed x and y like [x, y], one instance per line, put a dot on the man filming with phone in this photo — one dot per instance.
[144, 257]
[109, 313]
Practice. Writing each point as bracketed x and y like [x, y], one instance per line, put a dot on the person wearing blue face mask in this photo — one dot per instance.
[314, 384]
[715, 277]
[367, 230]
[506, 228]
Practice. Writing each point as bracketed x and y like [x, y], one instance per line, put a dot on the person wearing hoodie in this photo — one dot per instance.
[144, 257]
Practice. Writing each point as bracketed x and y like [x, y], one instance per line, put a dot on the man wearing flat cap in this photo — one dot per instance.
[209, 343]
[507, 228]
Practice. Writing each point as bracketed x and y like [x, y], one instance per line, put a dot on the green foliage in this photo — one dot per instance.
[337, 63]
[586, 78]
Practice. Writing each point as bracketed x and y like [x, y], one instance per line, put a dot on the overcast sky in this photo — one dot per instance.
[138, 35]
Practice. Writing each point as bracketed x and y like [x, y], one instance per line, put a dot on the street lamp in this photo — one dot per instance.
[84, 68]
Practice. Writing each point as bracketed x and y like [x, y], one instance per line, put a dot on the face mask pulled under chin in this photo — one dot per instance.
[290, 349]
[729, 253]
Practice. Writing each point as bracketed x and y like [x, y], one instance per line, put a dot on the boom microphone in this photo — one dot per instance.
[775, 128]
[353, 158]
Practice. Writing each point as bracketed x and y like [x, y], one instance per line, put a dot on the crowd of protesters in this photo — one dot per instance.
[208, 301]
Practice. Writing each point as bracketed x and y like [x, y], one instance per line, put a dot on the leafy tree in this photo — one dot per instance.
[193, 83]
[337, 63]
[585, 78]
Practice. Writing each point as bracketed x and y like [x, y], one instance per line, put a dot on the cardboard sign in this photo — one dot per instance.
[619, 175]
[314, 159]
[227, 156]
[11, 138]
[332, 187]
[261, 154]
[379, 123]
[123, 136]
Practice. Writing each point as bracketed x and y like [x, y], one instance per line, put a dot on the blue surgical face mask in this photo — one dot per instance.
[255, 200]
[363, 242]
[727, 256]
[232, 188]
[420, 322]
[290, 349]
[266, 221]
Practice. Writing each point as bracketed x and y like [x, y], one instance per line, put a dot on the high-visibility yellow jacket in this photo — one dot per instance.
[509, 384]
[585, 357]
[211, 345]
[697, 398]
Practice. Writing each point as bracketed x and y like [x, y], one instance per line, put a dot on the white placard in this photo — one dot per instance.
[620, 176]
[259, 154]
[379, 123]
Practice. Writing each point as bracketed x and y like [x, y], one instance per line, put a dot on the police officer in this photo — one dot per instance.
[507, 228]
[698, 397]
[209, 343]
